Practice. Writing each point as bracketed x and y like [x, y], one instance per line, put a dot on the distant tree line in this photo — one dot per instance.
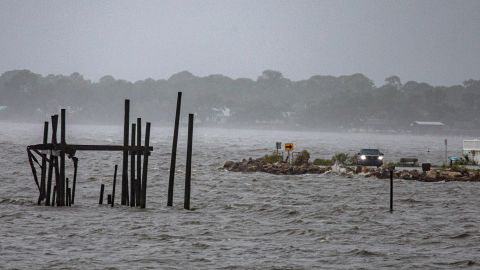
[320, 102]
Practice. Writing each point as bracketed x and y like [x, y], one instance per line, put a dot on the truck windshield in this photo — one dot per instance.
[370, 152]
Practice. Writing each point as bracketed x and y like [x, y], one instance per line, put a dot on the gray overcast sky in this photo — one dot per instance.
[432, 41]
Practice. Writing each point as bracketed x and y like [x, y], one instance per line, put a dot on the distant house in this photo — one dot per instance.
[219, 115]
[427, 127]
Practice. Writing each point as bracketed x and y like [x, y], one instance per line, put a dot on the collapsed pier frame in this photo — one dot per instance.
[54, 155]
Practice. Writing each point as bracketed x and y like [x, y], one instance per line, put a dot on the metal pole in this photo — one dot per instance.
[391, 191]
[446, 155]
[173, 160]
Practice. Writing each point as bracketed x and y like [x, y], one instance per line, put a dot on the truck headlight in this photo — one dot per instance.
[363, 157]
[380, 157]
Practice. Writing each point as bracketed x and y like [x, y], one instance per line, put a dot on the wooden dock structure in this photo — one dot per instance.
[52, 163]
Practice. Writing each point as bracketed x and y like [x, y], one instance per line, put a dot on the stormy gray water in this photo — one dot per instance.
[239, 221]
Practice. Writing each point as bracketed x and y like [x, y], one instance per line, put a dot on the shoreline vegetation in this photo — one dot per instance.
[274, 164]
[340, 103]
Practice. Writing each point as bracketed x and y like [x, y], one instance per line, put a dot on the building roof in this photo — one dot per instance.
[423, 123]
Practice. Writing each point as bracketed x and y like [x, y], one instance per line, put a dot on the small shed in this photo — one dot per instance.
[471, 148]
[427, 127]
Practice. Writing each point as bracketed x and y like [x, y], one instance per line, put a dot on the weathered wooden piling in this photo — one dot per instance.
[173, 160]
[74, 184]
[102, 188]
[145, 166]
[114, 184]
[109, 199]
[51, 164]
[54, 195]
[69, 196]
[32, 166]
[391, 191]
[61, 183]
[138, 181]
[126, 124]
[132, 169]
[188, 170]
[67, 187]
[43, 192]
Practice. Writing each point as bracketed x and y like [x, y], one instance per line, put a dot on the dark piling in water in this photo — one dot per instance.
[114, 184]
[102, 188]
[51, 164]
[69, 196]
[67, 199]
[43, 192]
[173, 160]
[188, 171]
[145, 166]
[109, 199]
[74, 184]
[132, 169]
[138, 181]
[54, 195]
[126, 124]
[61, 183]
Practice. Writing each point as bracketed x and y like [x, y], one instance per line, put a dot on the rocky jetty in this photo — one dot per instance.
[259, 165]
[284, 168]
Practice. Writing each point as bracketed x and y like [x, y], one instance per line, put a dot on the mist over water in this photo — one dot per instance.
[238, 221]
[328, 76]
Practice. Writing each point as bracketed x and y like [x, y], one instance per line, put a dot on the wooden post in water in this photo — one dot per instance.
[188, 170]
[126, 125]
[54, 195]
[114, 184]
[43, 192]
[102, 188]
[132, 169]
[125, 192]
[391, 191]
[138, 181]
[66, 194]
[74, 184]
[69, 197]
[51, 164]
[109, 199]
[61, 184]
[145, 166]
[173, 160]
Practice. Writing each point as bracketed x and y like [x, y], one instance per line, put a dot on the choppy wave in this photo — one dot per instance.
[240, 221]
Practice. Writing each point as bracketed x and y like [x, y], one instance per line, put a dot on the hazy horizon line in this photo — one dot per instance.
[228, 76]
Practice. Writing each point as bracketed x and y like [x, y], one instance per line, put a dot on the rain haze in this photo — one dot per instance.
[428, 41]
[271, 134]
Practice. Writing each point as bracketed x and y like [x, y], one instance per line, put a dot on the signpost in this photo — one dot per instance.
[289, 147]
[446, 158]
[278, 145]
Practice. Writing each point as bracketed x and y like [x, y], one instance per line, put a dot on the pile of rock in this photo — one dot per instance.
[434, 175]
[259, 165]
